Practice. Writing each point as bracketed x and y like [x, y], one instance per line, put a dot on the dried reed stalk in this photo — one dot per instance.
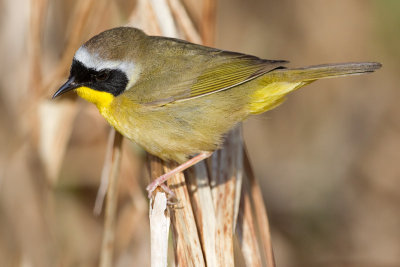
[76, 31]
[246, 231]
[224, 173]
[38, 15]
[107, 246]
[159, 227]
[203, 209]
[187, 245]
[53, 142]
[159, 218]
[105, 173]
[44, 118]
[184, 21]
[260, 213]
[207, 27]
[37, 19]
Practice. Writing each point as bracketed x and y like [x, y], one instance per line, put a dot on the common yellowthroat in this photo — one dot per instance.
[176, 99]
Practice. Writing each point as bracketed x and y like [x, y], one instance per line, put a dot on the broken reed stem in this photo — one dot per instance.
[159, 230]
[159, 217]
[107, 246]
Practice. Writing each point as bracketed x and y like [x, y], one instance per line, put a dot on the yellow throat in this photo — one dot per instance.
[101, 99]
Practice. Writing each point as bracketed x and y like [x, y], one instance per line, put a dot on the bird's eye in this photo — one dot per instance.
[102, 75]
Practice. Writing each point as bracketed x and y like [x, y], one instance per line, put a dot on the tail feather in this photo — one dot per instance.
[330, 71]
[279, 82]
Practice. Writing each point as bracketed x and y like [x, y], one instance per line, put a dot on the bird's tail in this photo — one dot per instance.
[313, 73]
[278, 83]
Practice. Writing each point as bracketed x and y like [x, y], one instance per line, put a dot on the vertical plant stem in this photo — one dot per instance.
[203, 210]
[105, 173]
[164, 18]
[260, 214]
[184, 21]
[208, 22]
[75, 35]
[38, 15]
[159, 218]
[246, 229]
[223, 182]
[188, 251]
[159, 230]
[37, 19]
[111, 204]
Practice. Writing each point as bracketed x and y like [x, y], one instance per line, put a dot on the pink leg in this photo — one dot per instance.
[160, 180]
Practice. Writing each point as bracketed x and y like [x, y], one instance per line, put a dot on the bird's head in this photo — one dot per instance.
[105, 66]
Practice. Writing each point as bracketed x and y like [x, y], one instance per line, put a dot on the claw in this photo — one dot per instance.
[160, 180]
[171, 196]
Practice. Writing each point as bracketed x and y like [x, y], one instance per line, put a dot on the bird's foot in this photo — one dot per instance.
[160, 180]
[171, 196]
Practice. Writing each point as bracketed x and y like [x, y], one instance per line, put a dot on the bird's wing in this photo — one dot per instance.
[217, 71]
[226, 75]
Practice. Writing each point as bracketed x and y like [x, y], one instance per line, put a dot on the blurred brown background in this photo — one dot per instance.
[327, 159]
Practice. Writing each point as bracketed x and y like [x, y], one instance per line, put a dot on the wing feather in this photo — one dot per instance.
[229, 73]
[194, 72]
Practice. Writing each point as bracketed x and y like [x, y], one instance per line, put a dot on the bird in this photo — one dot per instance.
[176, 99]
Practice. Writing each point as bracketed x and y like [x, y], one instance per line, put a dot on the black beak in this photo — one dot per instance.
[68, 86]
